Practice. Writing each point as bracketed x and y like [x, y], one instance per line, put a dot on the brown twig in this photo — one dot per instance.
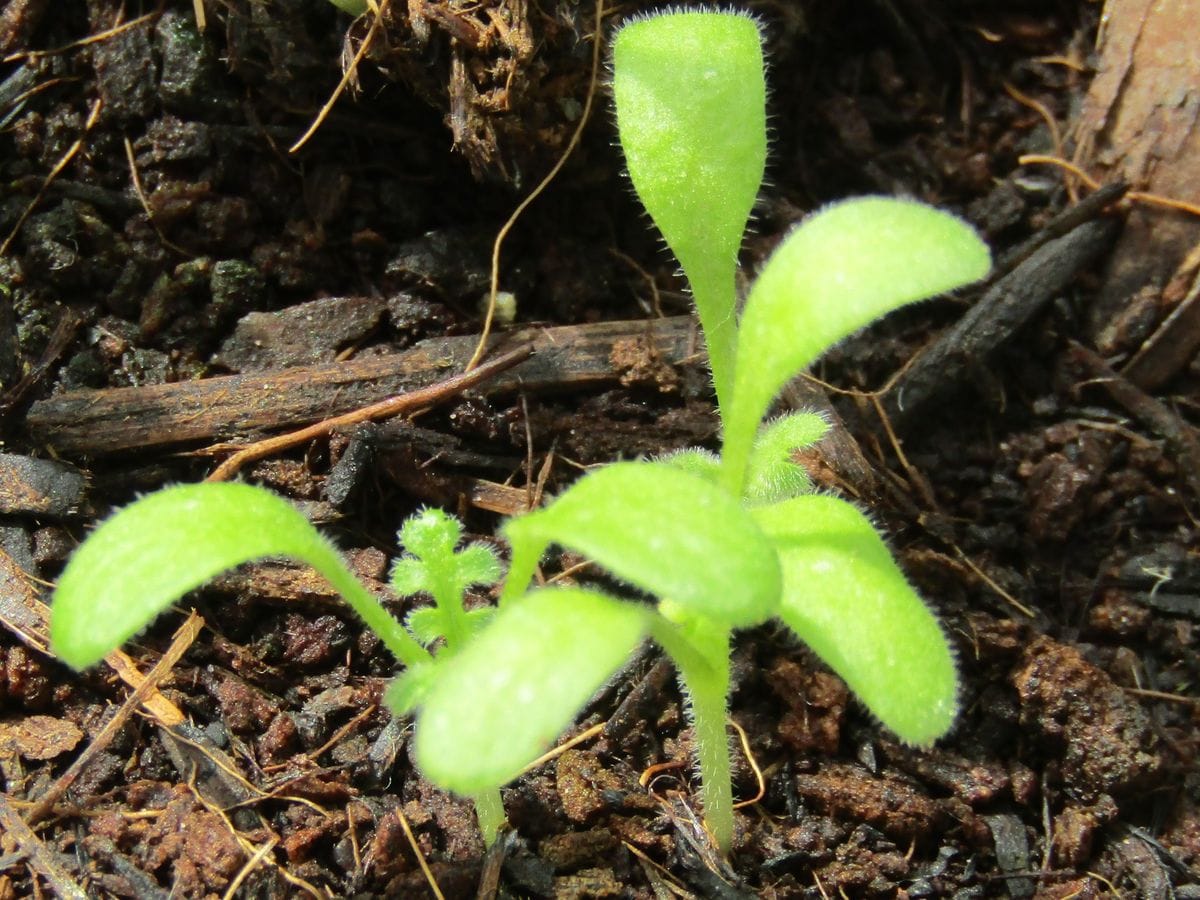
[64, 333]
[117, 420]
[1155, 415]
[385, 409]
[994, 319]
[1174, 343]
[183, 639]
[40, 858]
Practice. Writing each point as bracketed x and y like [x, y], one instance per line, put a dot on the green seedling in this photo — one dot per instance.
[730, 541]
[724, 542]
[157, 549]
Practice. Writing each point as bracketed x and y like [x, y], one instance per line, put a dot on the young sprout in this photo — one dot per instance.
[732, 541]
[723, 542]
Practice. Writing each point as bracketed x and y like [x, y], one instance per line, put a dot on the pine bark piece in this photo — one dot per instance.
[995, 319]
[1140, 123]
[1171, 347]
[114, 420]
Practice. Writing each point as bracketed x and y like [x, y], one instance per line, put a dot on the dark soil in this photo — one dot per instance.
[1049, 520]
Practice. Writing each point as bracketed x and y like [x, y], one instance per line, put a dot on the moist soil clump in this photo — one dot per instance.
[176, 282]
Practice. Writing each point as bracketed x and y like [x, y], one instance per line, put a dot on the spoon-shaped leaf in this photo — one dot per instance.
[668, 531]
[838, 271]
[845, 597]
[157, 549]
[501, 702]
[691, 112]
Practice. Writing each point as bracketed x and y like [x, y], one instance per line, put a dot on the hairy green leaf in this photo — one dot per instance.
[691, 100]
[157, 549]
[700, 462]
[431, 533]
[502, 701]
[836, 272]
[427, 624]
[477, 564]
[846, 598]
[433, 566]
[409, 576]
[773, 476]
[667, 531]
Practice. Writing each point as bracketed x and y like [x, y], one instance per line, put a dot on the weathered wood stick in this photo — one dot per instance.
[995, 319]
[408, 402]
[112, 420]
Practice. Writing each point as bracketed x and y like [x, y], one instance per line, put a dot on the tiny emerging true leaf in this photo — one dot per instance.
[476, 564]
[409, 576]
[696, 460]
[430, 533]
[773, 474]
[427, 624]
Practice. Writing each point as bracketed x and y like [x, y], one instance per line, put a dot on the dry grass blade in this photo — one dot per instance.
[744, 740]
[494, 289]
[346, 77]
[183, 639]
[251, 864]
[564, 747]
[84, 42]
[136, 178]
[38, 857]
[1150, 199]
[254, 855]
[24, 614]
[416, 848]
